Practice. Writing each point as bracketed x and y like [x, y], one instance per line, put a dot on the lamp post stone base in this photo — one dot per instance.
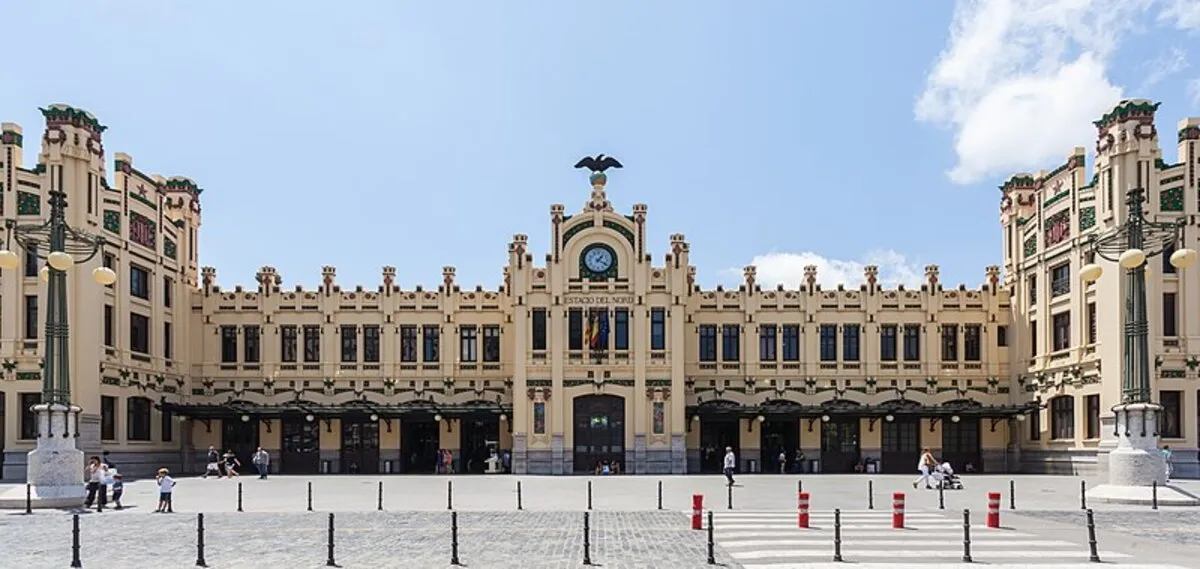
[1137, 464]
[55, 468]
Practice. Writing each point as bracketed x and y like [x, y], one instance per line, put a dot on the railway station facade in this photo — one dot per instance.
[598, 351]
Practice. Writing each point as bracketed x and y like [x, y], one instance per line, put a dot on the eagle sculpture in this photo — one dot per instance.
[598, 164]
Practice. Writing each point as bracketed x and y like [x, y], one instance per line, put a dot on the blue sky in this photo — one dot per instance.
[779, 133]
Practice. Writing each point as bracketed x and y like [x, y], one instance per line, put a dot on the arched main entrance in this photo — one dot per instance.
[599, 431]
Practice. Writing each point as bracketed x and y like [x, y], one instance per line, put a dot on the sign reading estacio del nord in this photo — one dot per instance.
[599, 300]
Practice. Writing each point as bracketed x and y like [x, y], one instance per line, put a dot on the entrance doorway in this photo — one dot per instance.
[478, 437]
[961, 445]
[599, 431]
[901, 440]
[241, 437]
[775, 437]
[301, 449]
[420, 441]
[840, 449]
[715, 435]
[360, 446]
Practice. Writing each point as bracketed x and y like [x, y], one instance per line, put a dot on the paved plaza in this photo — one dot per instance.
[628, 530]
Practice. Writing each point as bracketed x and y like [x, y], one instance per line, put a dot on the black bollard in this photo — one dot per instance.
[379, 501]
[729, 498]
[1154, 495]
[870, 494]
[29, 498]
[837, 535]
[329, 562]
[966, 536]
[941, 496]
[1083, 494]
[587, 538]
[75, 562]
[449, 494]
[200, 562]
[1012, 495]
[454, 539]
[310, 496]
[660, 494]
[589, 492]
[239, 496]
[1094, 556]
[712, 556]
[519, 495]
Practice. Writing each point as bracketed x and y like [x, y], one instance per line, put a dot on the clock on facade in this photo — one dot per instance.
[598, 262]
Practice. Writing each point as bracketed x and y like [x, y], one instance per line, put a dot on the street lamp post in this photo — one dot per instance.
[1136, 465]
[55, 467]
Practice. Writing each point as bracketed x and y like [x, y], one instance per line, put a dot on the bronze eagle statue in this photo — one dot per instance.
[599, 163]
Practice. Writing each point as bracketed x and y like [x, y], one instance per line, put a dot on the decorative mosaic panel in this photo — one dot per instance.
[141, 230]
[1031, 246]
[112, 221]
[29, 203]
[169, 248]
[1171, 199]
[1087, 218]
[1058, 228]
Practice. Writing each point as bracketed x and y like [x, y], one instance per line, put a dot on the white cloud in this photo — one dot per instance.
[1021, 80]
[1184, 14]
[788, 269]
[1162, 67]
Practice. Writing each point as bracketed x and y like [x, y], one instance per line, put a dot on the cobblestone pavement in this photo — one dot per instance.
[415, 540]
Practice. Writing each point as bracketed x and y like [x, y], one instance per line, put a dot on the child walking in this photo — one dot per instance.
[165, 485]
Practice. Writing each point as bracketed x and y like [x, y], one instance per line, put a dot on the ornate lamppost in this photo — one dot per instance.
[55, 467]
[1136, 465]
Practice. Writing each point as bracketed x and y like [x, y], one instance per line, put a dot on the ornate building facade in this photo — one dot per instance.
[598, 352]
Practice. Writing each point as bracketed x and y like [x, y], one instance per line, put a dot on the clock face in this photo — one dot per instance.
[598, 259]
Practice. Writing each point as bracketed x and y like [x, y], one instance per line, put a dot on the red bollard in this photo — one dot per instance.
[802, 506]
[697, 511]
[993, 517]
[898, 510]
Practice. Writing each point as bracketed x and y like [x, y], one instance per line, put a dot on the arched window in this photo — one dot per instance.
[1062, 417]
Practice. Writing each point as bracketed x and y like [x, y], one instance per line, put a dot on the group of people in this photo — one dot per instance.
[228, 464]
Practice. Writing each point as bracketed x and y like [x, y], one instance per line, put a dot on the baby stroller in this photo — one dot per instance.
[944, 475]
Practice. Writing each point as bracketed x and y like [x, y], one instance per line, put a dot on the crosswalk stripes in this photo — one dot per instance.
[772, 540]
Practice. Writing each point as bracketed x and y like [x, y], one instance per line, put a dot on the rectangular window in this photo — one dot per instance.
[166, 425]
[1061, 323]
[168, 344]
[949, 342]
[1062, 418]
[791, 342]
[658, 329]
[431, 337]
[408, 343]
[108, 325]
[137, 419]
[767, 341]
[1091, 323]
[708, 343]
[31, 317]
[538, 328]
[887, 342]
[287, 343]
[32, 263]
[1170, 426]
[229, 344]
[139, 282]
[349, 335]
[108, 418]
[731, 342]
[139, 333]
[621, 329]
[575, 329]
[1033, 290]
[1170, 314]
[371, 344]
[1092, 424]
[468, 348]
[491, 344]
[250, 344]
[850, 337]
[828, 343]
[29, 426]
[1060, 280]
[972, 342]
[168, 294]
[312, 343]
[1001, 336]
[912, 342]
